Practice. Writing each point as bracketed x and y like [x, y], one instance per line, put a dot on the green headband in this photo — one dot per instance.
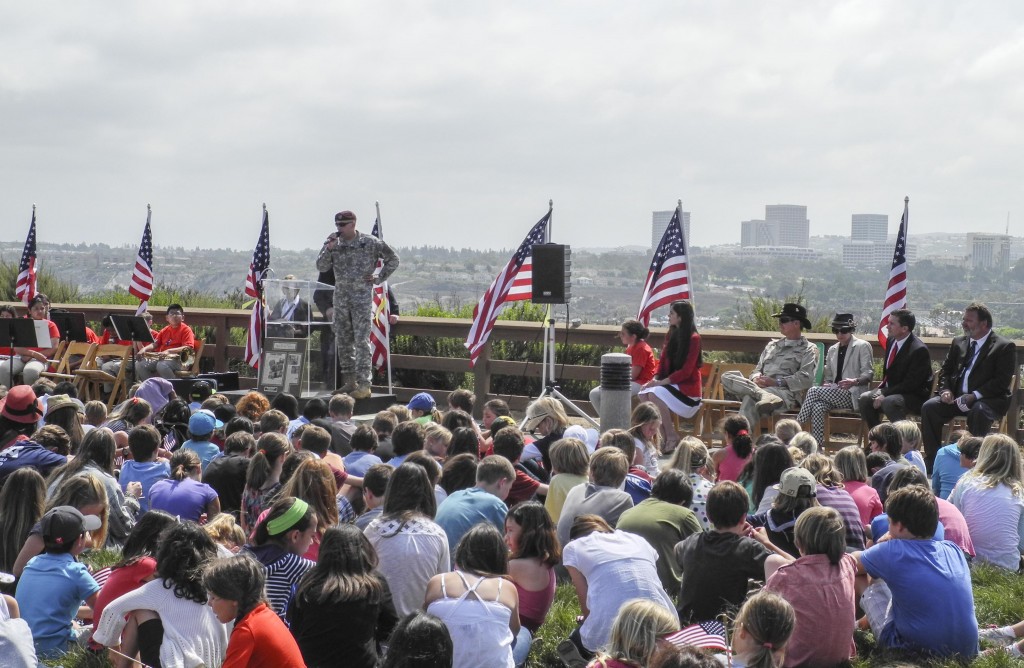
[288, 519]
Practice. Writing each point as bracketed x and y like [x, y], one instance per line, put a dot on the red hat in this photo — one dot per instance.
[344, 215]
[21, 405]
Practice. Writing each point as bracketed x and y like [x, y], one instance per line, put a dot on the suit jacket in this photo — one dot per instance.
[911, 371]
[992, 373]
[857, 364]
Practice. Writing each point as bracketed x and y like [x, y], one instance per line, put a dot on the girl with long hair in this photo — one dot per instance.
[258, 637]
[96, 458]
[89, 496]
[313, 482]
[263, 478]
[253, 405]
[730, 460]
[131, 413]
[770, 461]
[853, 466]
[676, 387]
[532, 540]
[411, 546]
[476, 603]
[183, 494]
[176, 627]
[762, 628]
[692, 457]
[136, 567]
[343, 607]
[635, 633]
[172, 422]
[283, 534]
[62, 412]
[642, 365]
[991, 498]
[22, 502]
[645, 428]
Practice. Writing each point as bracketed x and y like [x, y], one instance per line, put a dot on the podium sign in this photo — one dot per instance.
[283, 366]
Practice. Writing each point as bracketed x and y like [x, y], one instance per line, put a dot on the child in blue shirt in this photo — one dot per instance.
[922, 599]
[54, 584]
[200, 428]
[144, 467]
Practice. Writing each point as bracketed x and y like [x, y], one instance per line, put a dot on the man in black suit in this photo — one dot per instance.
[291, 308]
[974, 382]
[906, 373]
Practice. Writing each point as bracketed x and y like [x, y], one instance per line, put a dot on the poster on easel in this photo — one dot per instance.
[281, 366]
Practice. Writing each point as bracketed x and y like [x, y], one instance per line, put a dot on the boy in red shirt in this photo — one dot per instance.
[161, 356]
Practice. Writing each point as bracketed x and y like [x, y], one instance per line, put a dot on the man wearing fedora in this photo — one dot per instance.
[848, 373]
[906, 373]
[783, 373]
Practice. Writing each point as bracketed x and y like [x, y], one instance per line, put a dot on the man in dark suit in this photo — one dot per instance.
[906, 373]
[974, 382]
[290, 308]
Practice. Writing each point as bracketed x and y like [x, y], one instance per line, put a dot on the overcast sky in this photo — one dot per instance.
[464, 117]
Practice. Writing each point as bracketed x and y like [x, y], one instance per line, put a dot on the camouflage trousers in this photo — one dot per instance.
[352, 336]
[756, 401]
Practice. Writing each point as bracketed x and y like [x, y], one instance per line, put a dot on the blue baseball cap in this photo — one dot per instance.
[421, 402]
[203, 422]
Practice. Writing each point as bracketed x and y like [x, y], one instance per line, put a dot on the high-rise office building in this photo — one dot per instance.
[872, 227]
[794, 229]
[990, 251]
[660, 221]
[758, 233]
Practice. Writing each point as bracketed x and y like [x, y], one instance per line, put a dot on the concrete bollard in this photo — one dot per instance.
[615, 392]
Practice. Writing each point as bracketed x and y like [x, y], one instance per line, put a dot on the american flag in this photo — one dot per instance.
[380, 328]
[25, 288]
[142, 276]
[254, 288]
[896, 293]
[260, 261]
[513, 283]
[706, 635]
[668, 279]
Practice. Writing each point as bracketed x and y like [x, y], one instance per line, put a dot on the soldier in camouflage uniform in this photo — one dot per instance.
[353, 258]
[783, 374]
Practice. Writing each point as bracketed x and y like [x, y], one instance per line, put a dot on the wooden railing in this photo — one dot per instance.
[221, 355]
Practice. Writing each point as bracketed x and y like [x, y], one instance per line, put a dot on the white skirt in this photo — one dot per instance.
[672, 401]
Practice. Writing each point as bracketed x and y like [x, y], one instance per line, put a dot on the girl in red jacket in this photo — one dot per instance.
[676, 386]
[260, 638]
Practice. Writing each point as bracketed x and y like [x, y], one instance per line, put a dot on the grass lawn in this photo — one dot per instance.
[998, 599]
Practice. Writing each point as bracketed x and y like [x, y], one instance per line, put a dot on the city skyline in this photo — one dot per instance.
[452, 118]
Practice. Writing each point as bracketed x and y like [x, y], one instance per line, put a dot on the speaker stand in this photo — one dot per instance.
[550, 388]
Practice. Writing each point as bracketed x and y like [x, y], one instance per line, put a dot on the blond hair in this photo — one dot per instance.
[805, 442]
[910, 435]
[570, 455]
[636, 629]
[852, 463]
[786, 429]
[999, 463]
[823, 470]
[551, 409]
[821, 530]
[224, 531]
[690, 456]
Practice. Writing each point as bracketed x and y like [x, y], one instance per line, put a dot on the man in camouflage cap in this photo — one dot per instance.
[783, 373]
[353, 258]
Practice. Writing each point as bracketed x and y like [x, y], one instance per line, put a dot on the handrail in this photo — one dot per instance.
[224, 356]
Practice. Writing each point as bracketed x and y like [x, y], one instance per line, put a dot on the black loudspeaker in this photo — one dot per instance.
[551, 274]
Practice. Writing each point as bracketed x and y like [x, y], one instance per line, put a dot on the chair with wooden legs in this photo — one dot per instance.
[78, 353]
[93, 379]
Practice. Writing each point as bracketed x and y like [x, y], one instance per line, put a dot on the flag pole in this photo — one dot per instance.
[387, 324]
[686, 245]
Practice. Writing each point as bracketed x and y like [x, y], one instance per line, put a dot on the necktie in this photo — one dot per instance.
[892, 356]
[967, 364]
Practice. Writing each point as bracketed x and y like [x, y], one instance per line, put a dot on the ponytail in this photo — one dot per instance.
[183, 462]
[769, 621]
[738, 430]
[270, 448]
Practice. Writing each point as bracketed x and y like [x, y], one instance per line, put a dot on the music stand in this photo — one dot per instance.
[71, 325]
[19, 333]
[131, 328]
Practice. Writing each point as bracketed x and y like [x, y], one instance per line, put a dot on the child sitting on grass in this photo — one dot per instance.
[717, 564]
[54, 584]
[922, 599]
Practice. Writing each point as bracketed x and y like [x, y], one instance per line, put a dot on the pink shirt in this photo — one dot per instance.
[731, 466]
[955, 525]
[866, 498]
[823, 597]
